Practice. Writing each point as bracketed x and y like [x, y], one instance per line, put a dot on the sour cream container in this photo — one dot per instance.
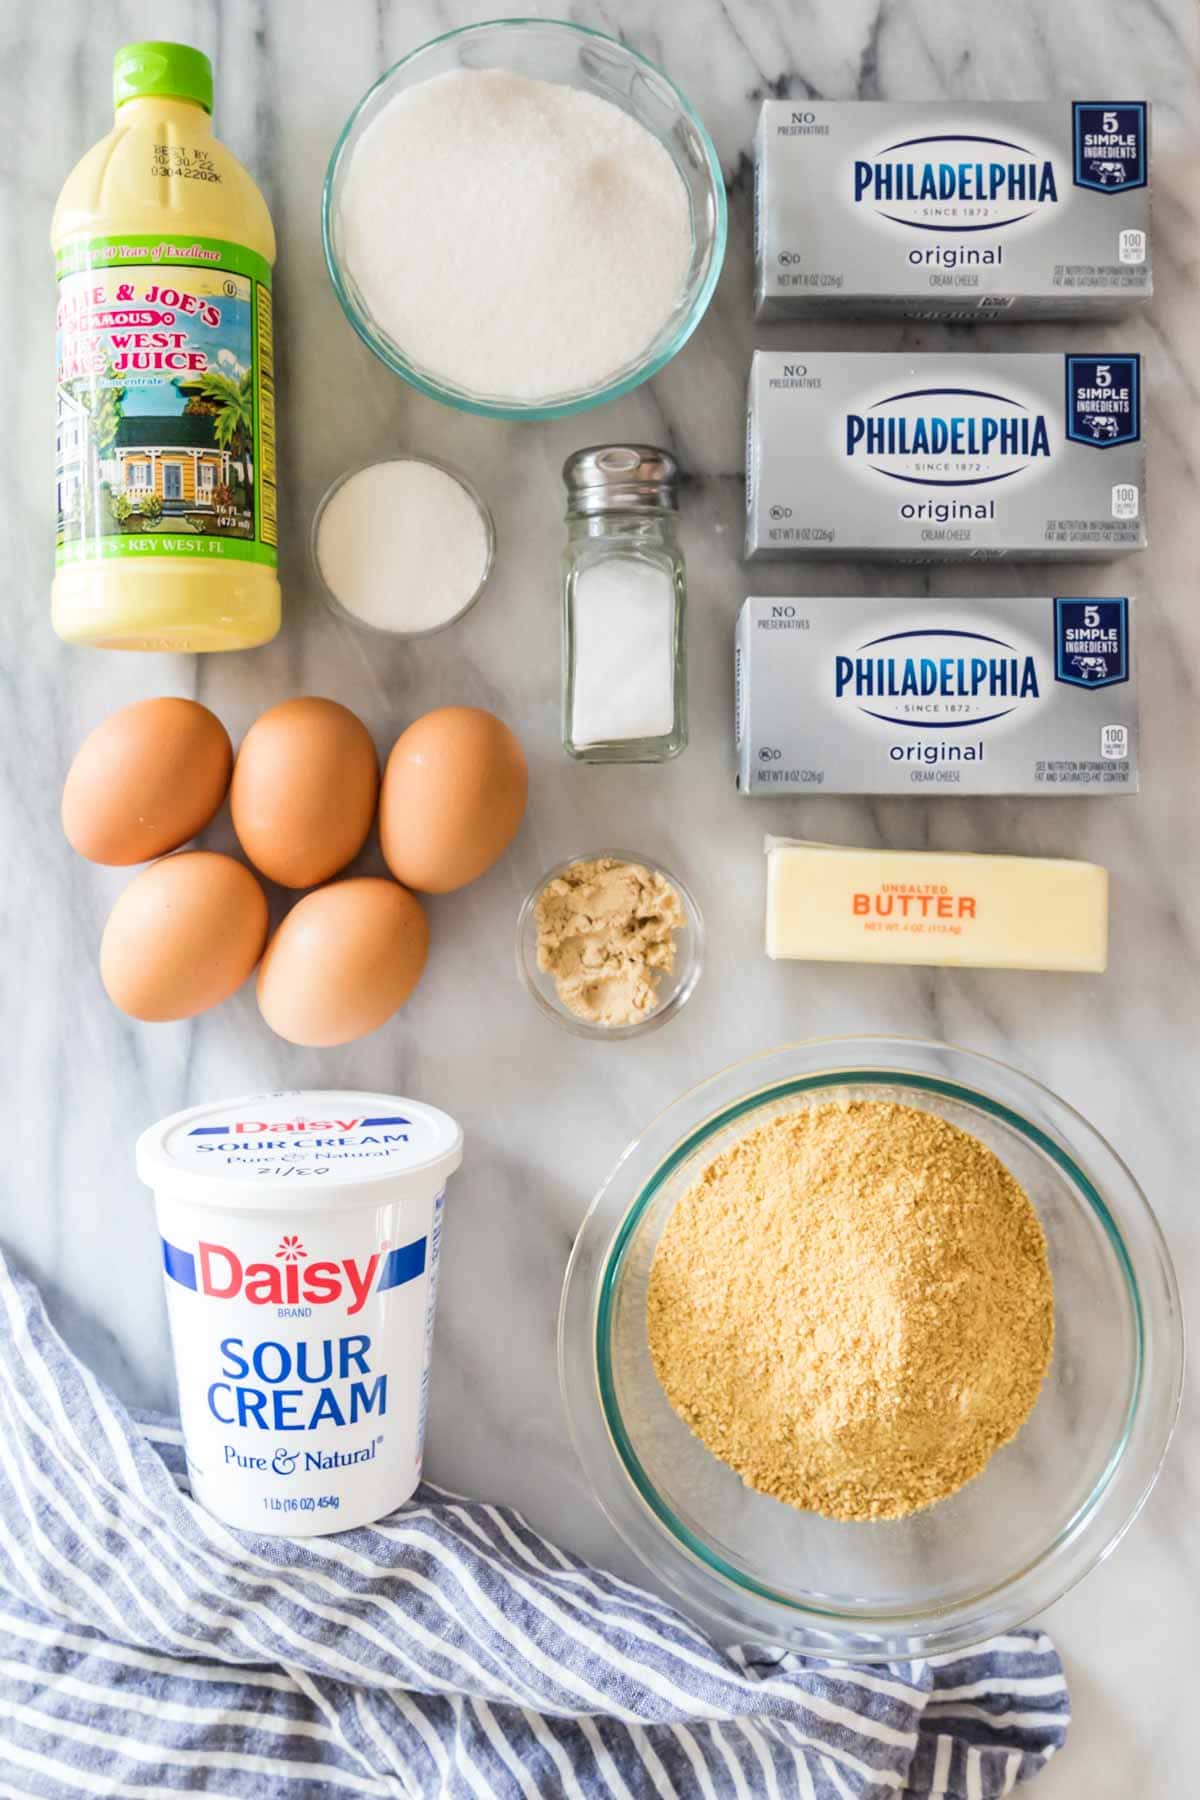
[300, 1238]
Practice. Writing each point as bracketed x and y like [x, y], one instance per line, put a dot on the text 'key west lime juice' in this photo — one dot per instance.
[165, 423]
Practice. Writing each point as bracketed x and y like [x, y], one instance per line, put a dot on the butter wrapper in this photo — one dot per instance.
[831, 903]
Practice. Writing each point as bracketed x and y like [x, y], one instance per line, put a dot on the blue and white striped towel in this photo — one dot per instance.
[148, 1651]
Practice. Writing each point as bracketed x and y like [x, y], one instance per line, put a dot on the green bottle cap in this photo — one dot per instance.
[174, 71]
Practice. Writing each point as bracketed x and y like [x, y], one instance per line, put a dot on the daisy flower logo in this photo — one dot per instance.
[291, 1249]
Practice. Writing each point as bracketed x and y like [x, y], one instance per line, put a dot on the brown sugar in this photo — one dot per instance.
[853, 1308]
[606, 933]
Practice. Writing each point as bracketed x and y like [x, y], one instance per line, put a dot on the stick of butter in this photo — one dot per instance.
[827, 903]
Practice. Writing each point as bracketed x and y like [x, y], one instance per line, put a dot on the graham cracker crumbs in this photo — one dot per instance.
[606, 932]
[853, 1308]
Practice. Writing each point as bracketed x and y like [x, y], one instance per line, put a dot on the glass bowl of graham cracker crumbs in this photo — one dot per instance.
[935, 1351]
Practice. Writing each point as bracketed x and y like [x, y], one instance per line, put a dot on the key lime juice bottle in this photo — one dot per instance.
[165, 416]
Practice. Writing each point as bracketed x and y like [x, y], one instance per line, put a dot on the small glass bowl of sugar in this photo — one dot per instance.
[403, 546]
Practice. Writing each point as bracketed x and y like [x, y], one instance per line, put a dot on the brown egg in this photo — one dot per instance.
[343, 961]
[183, 936]
[304, 790]
[454, 794]
[145, 781]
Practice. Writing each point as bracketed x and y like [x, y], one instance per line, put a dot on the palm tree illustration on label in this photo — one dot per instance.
[227, 401]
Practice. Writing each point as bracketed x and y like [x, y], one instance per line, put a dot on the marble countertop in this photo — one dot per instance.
[545, 1115]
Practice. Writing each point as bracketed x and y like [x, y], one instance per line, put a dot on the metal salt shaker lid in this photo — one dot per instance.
[621, 477]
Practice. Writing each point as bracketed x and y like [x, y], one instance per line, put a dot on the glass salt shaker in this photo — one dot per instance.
[624, 599]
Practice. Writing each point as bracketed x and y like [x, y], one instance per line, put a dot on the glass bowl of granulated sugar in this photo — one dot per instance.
[524, 218]
[871, 1348]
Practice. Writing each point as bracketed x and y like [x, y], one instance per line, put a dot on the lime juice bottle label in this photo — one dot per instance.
[165, 420]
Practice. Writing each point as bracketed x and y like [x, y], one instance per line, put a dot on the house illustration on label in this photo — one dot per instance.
[74, 455]
[175, 456]
[118, 470]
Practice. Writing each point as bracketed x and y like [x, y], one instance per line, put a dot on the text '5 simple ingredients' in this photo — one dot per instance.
[300, 1239]
[853, 1308]
[191, 928]
[166, 503]
[514, 239]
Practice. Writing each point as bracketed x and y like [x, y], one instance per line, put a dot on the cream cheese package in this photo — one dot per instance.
[1021, 695]
[300, 1236]
[830, 903]
[930, 458]
[951, 209]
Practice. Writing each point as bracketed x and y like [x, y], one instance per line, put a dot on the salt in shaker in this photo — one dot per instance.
[624, 599]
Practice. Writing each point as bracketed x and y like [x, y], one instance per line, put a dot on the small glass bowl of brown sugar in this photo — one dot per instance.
[610, 944]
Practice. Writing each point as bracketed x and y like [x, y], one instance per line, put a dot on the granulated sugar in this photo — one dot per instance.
[517, 238]
[402, 545]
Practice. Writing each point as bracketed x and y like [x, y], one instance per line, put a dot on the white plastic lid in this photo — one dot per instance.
[294, 1149]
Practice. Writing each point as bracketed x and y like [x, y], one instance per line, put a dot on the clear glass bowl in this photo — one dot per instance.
[334, 601]
[675, 989]
[1048, 1507]
[576, 56]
